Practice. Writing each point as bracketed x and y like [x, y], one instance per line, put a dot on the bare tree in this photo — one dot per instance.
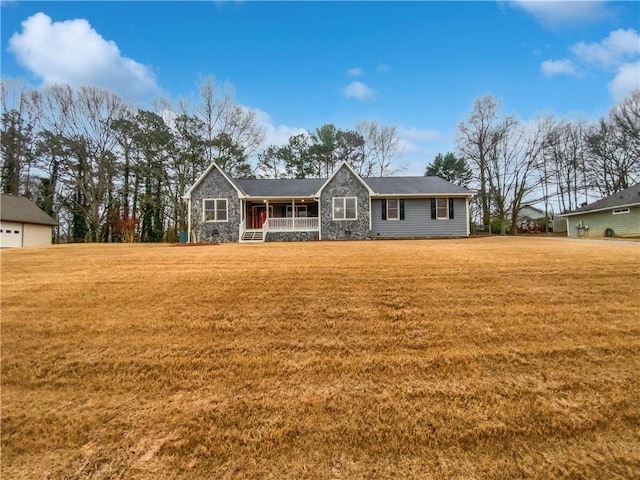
[21, 107]
[477, 141]
[563, 163]
[381, 149]
[512, 174]
[227, 122]
[91, 169]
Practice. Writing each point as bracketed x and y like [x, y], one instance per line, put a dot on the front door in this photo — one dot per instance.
[258, 216]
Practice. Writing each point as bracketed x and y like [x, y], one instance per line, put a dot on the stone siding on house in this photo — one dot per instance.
[215, 185]
[291, 236]
[344, 184]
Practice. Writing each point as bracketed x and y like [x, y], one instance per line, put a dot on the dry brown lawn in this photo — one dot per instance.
[479, 358]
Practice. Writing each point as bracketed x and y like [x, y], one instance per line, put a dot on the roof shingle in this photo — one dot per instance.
[307, 187]
[628, 196]
[22, 210]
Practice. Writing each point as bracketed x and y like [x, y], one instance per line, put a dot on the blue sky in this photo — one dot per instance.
[416, 65]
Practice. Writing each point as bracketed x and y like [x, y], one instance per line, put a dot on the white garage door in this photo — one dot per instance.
[10, 234]
[36, 235]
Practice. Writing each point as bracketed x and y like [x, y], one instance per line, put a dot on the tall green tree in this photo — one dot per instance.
[451, 168]
[154, 141]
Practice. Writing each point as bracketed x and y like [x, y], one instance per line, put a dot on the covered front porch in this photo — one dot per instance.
[261, 216]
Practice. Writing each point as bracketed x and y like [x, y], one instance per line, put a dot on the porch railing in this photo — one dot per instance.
[292, 223]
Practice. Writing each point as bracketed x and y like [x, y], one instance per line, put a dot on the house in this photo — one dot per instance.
[343, 206]
[22, 223]
[617, 215]
[528, 217]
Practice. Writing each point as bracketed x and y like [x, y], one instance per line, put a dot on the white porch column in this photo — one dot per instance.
[189, 221]
[293, 213]
[466, 201]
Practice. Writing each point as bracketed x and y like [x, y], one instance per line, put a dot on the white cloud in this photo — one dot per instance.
[382, 67]
[618, 53]
[556, 14]
[413, 134]
[558, 67]
[359, 90]
[610, 52]
[419, 146]
[355, 72]
[275, 134]
[626, 81]
[73, 52]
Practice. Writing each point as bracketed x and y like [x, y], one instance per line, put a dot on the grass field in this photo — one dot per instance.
[479, 358]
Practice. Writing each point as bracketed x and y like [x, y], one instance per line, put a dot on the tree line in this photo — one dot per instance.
[558, 163]
[109, 171]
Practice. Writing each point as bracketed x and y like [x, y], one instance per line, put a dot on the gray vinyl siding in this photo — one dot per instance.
[623, 225]
[417, 221]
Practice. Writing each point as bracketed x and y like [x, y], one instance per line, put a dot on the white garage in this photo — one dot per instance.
[23, 224]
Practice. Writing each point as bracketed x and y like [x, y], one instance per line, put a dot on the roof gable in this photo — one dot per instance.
[627, 197]
[352, 171]
[23, 210]
[206, 173]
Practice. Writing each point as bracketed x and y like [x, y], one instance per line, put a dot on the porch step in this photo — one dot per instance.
[253, 236]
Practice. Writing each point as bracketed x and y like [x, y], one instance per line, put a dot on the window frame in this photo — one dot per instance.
[215, 210]
[397, 209]
[438, 208]
[344, 208]
[299, 208]
[621, 211]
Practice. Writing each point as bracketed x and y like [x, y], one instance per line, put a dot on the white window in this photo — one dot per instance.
[393, 209]
[442, 208]
[301, 211]
[345, 208]
[620, 211]
[214, 209]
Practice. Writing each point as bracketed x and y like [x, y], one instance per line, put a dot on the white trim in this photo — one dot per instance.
[215, 210]
[397, 210]
[422, 195]
[206, 173]
[447, 205]
[583, 212]
[344, 207]
[335, 172]
[277, 197]
[621, 211]
[189, 221]
[467, 216]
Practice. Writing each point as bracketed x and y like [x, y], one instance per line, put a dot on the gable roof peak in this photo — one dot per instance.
[345, 164]
[226, 176]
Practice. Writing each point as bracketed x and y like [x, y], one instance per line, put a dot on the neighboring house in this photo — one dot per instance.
[616, 215]
[529, 218]
[23, 224]
[529, 213]
[343, 206]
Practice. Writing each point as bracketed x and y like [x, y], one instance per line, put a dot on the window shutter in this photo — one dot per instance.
[384, 209]
[402, 209]
[433, 209]
[451, 209]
